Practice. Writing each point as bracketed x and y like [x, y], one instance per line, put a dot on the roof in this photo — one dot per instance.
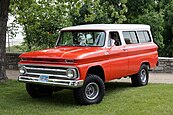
[109, 27]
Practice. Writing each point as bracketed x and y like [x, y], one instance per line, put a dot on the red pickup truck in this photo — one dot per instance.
[87, 56]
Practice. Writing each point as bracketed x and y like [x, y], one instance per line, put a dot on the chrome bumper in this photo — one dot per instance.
[52, 82]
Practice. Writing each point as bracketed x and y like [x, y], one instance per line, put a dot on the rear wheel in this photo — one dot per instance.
[141, 78]
[37, 91]
[91, 92]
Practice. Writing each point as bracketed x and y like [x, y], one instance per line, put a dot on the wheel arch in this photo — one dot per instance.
[146, 63]
[97, 70]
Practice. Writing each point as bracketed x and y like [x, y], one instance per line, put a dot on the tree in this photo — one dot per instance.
[168, 30]
[4, 6]
[40, 20]
[137, 8]
[12, 29]
[149, 12]
[100, 11]
[156, 21]
[160, 5]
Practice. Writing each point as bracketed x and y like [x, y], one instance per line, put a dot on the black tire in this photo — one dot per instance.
[92, 92]
[37, 91]
[141, 78]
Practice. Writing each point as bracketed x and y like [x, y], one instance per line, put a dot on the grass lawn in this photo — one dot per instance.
[120, 99]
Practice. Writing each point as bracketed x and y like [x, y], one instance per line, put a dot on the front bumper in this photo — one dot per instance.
[52, 82]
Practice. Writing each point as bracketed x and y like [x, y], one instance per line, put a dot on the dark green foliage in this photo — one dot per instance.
[137, 8]
[42, 18]
[168, 30]
[155, 20]
[158, 14]
[103, 11]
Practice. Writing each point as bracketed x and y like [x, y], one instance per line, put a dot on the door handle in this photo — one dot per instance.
[125, 50]
[106, 53]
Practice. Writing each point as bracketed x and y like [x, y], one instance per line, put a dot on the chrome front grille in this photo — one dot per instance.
[50, 75]
[46, 70]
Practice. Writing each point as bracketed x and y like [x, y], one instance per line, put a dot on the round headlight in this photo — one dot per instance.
[71, 73]
[21, 70]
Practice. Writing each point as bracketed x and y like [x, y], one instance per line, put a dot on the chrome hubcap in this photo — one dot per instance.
[143, 75]
[91, 91]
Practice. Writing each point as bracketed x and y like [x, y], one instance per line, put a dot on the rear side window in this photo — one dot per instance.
[143, 36]
[130, 37]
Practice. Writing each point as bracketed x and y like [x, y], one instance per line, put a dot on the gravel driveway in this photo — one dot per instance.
[154, 77]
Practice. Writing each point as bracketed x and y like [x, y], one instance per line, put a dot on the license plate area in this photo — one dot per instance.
[43, 78]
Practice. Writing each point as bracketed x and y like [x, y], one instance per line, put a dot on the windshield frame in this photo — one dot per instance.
[84, 30]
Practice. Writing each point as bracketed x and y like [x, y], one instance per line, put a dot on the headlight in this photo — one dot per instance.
[71, 73]
[22, 70]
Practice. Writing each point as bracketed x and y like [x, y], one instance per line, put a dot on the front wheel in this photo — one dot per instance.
[91, 92]
[141, 78]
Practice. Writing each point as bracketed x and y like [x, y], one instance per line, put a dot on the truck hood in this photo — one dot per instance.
[65, 52]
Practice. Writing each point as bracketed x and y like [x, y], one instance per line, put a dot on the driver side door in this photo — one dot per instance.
[118, 56]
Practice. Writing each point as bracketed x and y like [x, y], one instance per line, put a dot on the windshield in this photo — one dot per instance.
[82, 38]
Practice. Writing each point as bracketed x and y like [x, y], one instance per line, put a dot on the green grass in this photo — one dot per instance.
[120, 99]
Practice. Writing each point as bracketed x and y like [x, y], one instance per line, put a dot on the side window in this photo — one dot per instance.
[143, 36]
[100, 39]
[130, 37]
[147, 36]
[133, 37]
[114, 38]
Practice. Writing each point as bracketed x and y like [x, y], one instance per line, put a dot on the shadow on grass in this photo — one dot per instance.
[117, 87]
[65, 97]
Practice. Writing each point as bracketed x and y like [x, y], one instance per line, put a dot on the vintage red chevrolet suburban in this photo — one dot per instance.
[87, 56]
